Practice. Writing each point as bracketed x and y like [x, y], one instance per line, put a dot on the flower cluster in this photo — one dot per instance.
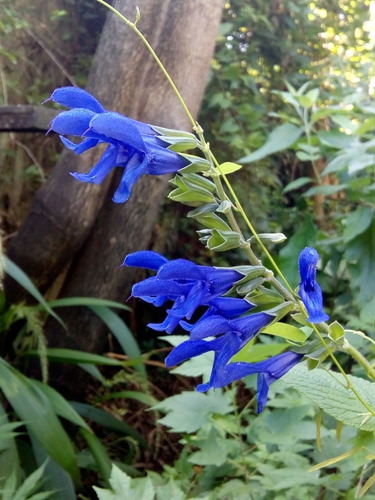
[133, 145]
[225, 327]
[225, 324]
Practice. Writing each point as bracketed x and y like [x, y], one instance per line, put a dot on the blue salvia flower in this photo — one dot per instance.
[268, 371]
[186, 284]
[231, 335]
[133, 145]
[225, 327]
[228, 307]
[309, 290]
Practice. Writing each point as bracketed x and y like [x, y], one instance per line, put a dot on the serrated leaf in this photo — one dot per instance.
[214, 450]
[125, 487]
[331, 394]
[189, 411]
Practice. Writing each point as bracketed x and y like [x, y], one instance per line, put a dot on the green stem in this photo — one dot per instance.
[288, 292]
[359, 358]
[133, 26]
[307, 127]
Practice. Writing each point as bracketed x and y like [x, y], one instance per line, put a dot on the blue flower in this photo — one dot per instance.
[268, 371]
[309, 290]
[228, 307]
[187, 284]
[133, 145]
[231, 336]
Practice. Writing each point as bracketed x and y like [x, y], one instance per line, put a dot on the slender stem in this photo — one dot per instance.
[211, 157]
[133, 26]
[359, 358]
[307, 127]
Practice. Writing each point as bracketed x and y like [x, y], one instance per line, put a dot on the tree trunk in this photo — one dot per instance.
[75, 226]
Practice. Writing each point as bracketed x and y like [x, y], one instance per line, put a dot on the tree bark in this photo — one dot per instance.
[77, 224]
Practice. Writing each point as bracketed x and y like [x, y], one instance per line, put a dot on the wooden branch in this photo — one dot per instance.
[25, 118]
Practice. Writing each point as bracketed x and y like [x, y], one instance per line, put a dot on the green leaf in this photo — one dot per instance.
[296, 184]
[31, 484]
[189, 411]
[360, 254]
[107, 420]
[220, 241]
[61, 355]
[229, 167]
[87, 301]
[301, 155]
[336, 331]
[286, 331]
[99, 453]
[125, 487]
[123, 336]
[368, 125]
[335, 139]
[357, 222]
[18, 275]
[55, 478]
[309, 99]
[196, 164]
[61, 406]
[279, 139]
[269, 238]
[212, 221]
[34, 408]
[325, 190]
[214, 450]
[259, 352]
[329, 391]
[9, 462]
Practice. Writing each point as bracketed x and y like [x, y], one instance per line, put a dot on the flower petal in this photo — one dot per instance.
[146, 259]
[117, 127]
[309, 290]
[73, 97]
[74, 122]
[101, 169]
[133, 171]
[313, 301]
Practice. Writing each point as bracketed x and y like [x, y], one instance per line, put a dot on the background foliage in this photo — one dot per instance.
[290, 96]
